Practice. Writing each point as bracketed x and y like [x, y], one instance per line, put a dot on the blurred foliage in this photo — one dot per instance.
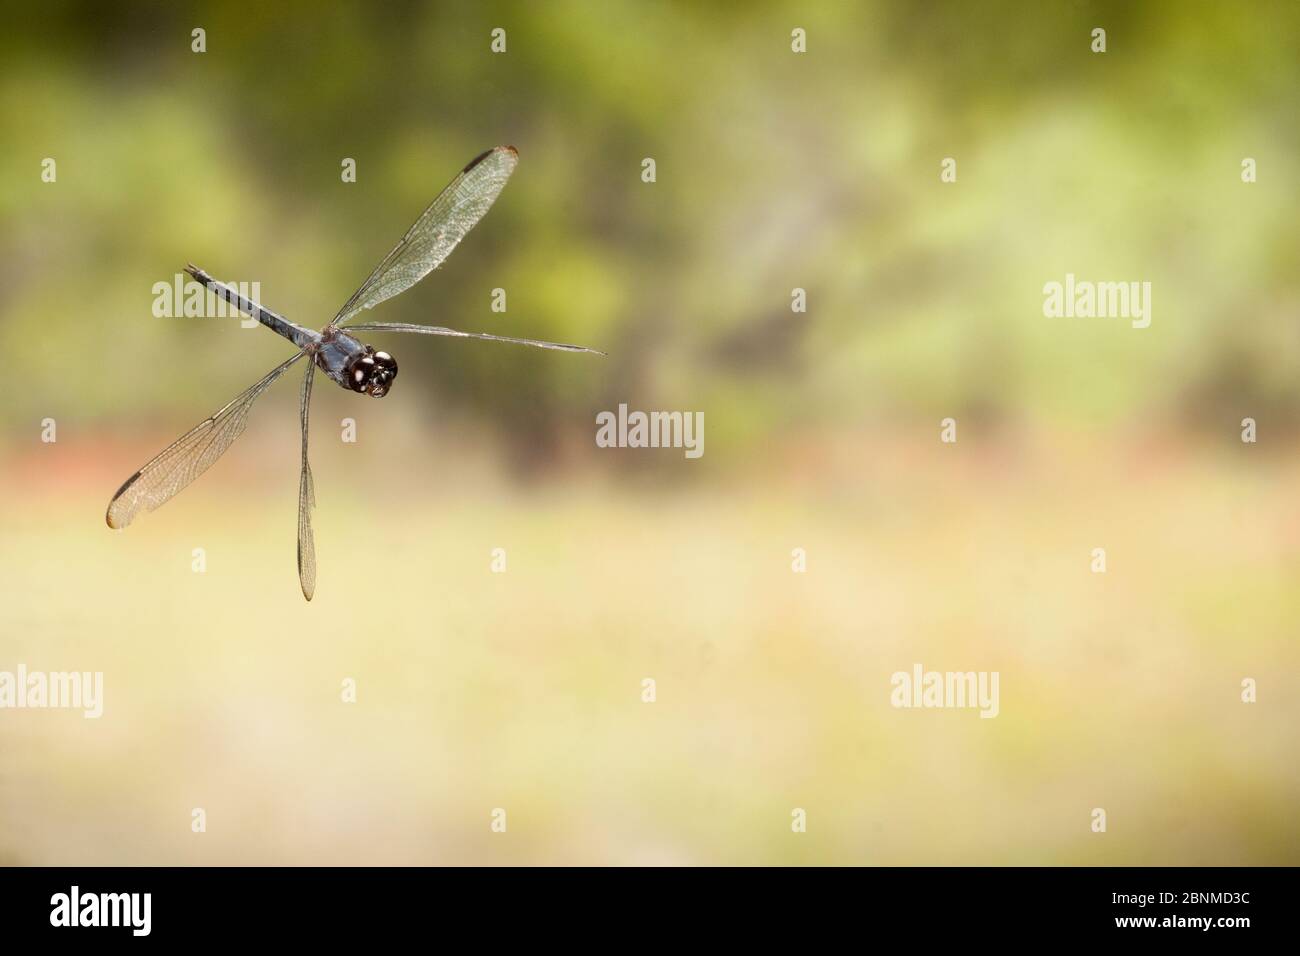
[774, 171]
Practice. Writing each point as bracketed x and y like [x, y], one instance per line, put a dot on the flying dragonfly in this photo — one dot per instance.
[335, 350]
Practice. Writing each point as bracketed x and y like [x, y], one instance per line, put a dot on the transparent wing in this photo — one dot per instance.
[188, 457]
[438, 330]
[438, 230]
[306, 501]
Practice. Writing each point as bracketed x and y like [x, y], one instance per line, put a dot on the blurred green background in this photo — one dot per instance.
[522, 690]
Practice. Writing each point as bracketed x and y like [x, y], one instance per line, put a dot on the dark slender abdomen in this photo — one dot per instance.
[295, 333]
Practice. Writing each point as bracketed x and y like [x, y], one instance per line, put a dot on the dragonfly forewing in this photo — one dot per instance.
[189, 456]
[437, 232]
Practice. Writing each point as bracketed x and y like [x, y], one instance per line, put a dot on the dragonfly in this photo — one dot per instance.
[334, 350]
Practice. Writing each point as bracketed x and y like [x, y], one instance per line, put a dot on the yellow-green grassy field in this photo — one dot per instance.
[522, 690]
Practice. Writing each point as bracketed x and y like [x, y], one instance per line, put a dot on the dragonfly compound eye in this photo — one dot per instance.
[373, 374]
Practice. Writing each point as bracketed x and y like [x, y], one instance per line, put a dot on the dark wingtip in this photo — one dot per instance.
[476, 160]
[486, 153]
[108, 515]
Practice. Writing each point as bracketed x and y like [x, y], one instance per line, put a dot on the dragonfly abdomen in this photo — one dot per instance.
[295, 333]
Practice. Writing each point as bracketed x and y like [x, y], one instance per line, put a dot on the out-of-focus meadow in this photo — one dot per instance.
[522, 690]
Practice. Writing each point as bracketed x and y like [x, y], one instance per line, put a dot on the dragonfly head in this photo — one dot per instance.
[373, 373]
